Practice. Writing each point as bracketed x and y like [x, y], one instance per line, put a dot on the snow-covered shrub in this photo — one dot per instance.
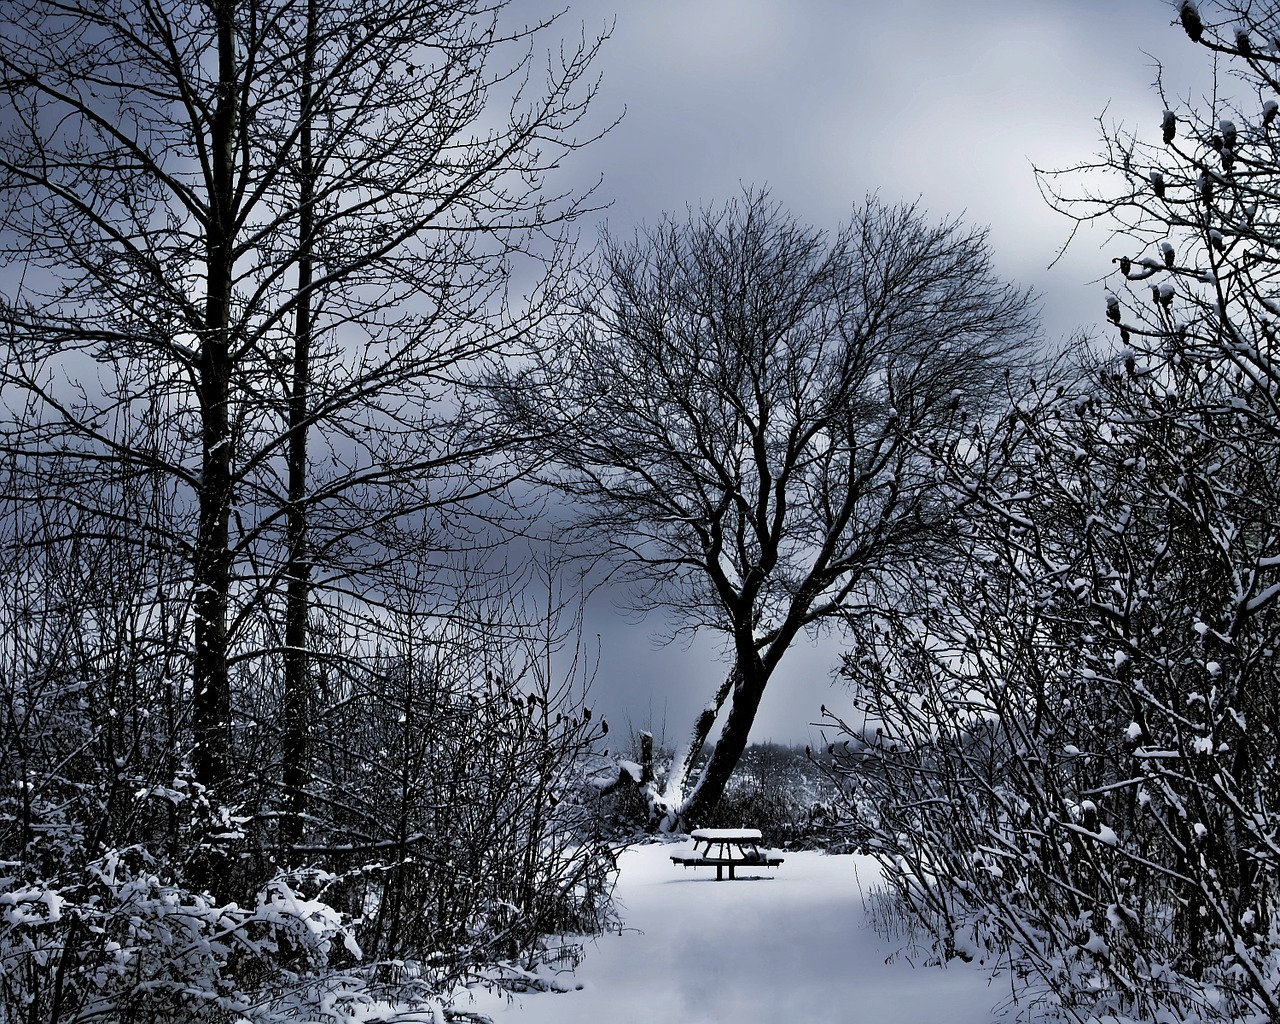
[450, 774]
[123, 944]
[777, 789]
[443, 836]
[1072, 761]
[449, 843]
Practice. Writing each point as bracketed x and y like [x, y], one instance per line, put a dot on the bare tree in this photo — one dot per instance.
[739, 415]
[287, 225]
[252, 252]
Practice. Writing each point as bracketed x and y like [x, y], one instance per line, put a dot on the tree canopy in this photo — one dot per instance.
[738, 411]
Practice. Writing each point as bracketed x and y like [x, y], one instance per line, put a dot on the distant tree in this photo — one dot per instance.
[739, 413]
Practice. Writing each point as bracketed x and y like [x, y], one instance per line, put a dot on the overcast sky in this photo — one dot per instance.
[826, 101]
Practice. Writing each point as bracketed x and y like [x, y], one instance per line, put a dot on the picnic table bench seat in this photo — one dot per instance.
[696, 860]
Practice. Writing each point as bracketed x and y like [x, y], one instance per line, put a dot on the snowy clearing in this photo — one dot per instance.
[796, 945]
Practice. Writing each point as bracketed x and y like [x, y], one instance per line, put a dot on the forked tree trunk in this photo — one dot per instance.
[666, 807]
[747, 692]
[742, 690]
[676, 807]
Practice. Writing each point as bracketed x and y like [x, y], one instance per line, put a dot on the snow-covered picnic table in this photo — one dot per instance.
[733, 848]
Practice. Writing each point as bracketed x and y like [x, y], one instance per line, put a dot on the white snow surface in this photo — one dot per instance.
[796, 946]
[716, 834]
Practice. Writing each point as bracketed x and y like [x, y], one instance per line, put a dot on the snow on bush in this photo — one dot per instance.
[125, 944]
[1076, 771]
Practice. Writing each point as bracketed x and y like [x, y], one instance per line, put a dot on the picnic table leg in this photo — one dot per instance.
[731, 872]
[720, 872]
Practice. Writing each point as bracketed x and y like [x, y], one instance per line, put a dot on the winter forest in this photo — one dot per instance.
[322, 417]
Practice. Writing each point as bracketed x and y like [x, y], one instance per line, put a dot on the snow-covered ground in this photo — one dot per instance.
[794, 946]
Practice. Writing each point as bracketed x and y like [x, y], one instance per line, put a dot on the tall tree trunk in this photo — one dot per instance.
[212, 562]
[298, 570]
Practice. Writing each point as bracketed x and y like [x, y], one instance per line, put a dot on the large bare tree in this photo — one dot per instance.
[739, 413]
[283, 229]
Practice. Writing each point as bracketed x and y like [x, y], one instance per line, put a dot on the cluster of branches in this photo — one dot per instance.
[736, 409]
[446, 839]
[1070, 761]
[253, 253]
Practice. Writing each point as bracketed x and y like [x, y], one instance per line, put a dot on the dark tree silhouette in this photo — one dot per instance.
[283, 230]
[739, 414]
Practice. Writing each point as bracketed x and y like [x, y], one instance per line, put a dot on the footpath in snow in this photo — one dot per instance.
[794, 946]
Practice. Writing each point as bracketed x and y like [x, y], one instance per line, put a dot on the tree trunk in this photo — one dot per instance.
[753, 668]
[748, 689]
[212, 562]
[666, 807]
[298, 569]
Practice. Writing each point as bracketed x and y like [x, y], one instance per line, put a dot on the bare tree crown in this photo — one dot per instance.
[740, 407]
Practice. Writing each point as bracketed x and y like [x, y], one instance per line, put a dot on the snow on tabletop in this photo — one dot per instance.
[718, 835]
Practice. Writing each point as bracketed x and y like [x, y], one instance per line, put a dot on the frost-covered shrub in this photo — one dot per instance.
[123, 944]
[1071, 760]
[442, 837]
[451, 774]
[779, 790]
[449, 844]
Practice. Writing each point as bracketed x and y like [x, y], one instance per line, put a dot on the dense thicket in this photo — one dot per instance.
[1070, 762]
